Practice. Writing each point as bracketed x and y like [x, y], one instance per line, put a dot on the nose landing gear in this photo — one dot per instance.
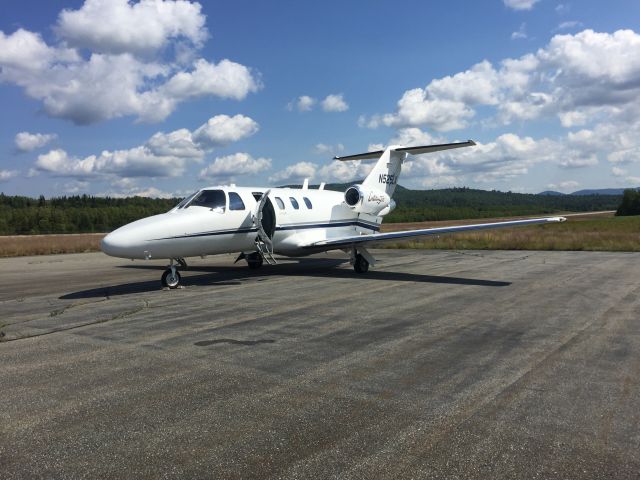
[171, 277]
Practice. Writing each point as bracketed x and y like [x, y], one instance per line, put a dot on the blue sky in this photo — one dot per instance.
[159, 98]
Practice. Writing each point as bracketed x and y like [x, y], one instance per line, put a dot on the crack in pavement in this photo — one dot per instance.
[118, 316]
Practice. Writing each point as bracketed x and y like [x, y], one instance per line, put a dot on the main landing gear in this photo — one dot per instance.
[361, 259]
[360, 264]
[254, 259]
[171, 277]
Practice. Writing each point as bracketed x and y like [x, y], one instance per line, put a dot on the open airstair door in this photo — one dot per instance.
[264, 219]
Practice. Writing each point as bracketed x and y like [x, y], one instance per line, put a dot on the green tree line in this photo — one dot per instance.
[76, 214]
[21, 215]
[463, 203]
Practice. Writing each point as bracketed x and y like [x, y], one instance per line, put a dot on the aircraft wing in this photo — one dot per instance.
[354, 240]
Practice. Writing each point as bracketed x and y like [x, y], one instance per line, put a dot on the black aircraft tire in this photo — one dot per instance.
[360, 265]
[168, 280]
[254, 261]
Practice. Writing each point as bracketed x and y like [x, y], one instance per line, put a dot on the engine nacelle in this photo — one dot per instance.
[371, 202]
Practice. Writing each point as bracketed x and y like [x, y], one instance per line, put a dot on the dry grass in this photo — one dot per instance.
[18, 245]
[578, 233]
[394, 227]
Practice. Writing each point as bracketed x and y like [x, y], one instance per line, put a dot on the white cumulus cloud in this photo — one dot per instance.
[335, 103]
[227, 79]
[163, 155]
[178, 143]
[222, 130]
[507, 157]
[25, 53]
[128, 187]
[325, 149]
[521, 33]
[230, 166]
[76, 186]
[294, 173]
[618, 172]
[118, 58]
[134, 162]
[7, 175]
[120, 26]
[569, 25]
[520, 4]
[338, 171]
[625, 156]
[577, 78]
[27, 142]
[579, 161]
[303, 103]
[501, 160]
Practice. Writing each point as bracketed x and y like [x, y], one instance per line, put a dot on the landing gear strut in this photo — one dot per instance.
[171, 277]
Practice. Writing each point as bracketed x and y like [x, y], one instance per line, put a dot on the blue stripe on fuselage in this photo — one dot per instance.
[305, 226]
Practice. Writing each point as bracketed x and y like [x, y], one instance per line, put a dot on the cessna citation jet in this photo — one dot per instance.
[260, 222]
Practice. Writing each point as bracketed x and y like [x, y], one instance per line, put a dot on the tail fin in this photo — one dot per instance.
[386, 171]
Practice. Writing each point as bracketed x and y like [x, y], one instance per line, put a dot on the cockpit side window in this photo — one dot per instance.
[209, 199]
[235, 202]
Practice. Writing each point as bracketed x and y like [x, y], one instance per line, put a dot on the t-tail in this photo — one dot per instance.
[373, 195]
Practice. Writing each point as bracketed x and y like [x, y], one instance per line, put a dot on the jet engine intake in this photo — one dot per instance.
[371, 202]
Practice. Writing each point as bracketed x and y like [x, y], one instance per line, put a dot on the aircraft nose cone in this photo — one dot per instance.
[115, 244]
[137, 239]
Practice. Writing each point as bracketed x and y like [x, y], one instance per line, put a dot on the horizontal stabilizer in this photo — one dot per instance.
[410, 150]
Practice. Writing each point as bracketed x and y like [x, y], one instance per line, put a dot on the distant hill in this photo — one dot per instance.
[551, 192]
[591, 191]
[602, 191]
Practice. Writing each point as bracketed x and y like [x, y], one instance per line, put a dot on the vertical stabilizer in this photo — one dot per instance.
[385, 173]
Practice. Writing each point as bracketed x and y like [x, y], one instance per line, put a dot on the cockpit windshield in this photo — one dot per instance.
[185, 200]
[210, 199]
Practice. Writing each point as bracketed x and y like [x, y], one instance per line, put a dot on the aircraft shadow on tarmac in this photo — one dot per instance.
[237, 274]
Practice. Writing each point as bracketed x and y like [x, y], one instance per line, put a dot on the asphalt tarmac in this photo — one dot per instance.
[435, 364]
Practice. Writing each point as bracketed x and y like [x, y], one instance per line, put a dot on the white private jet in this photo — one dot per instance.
[261, 222]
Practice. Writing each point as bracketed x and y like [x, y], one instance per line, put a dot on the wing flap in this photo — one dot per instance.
[382, 237]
